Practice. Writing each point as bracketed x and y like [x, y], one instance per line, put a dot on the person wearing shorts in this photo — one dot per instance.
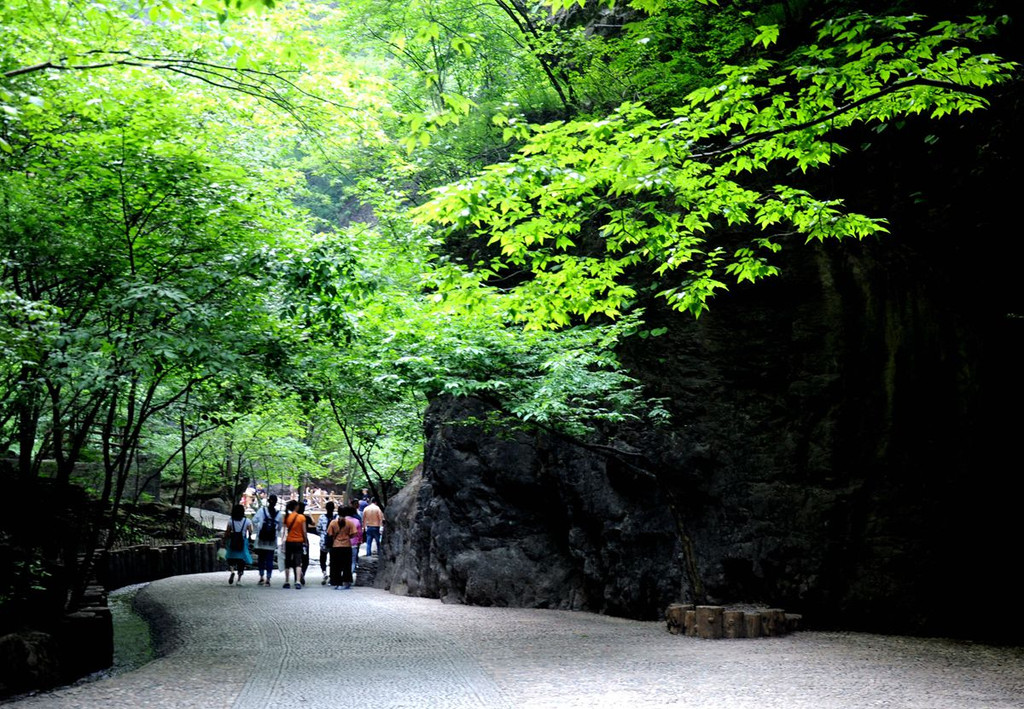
[294, 544]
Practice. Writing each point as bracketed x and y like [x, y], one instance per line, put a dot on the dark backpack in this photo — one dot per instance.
[330, 537]
[236, 543]
[268, 530]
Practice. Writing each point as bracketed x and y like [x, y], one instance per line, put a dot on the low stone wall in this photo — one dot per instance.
[142, 563]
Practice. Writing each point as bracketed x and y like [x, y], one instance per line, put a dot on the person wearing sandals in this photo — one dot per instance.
[357, 538]
[310, 529]
[236, 535]
[294, 542]
[325, 519]
[268, 524]
[339, 533]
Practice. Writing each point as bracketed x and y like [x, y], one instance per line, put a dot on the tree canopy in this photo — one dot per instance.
[251, 240]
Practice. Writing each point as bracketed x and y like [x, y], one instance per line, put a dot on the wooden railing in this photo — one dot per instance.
[141, 562]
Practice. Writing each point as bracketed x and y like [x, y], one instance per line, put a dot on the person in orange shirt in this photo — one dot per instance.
[340, 532]
[294, 541]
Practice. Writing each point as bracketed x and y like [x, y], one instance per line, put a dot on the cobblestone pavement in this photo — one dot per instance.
[254, 647]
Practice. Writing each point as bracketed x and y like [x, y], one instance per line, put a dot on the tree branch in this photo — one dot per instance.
[826, 117]
[180, 65]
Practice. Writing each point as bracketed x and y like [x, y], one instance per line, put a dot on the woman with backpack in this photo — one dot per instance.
[267, 523]
[321, 528]
[236, 535]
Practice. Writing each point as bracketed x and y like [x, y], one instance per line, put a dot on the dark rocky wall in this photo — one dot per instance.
[527, 521]
[844, 441]
[837, 458]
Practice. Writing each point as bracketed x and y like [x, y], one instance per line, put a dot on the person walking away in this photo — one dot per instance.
[373, 519]
[310, 529]
[357, 538]
[294, 540]
[321, 528]
[236, 535]
[268, 523]
[340, 532]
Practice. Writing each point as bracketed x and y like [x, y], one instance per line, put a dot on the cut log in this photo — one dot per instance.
[733, 624]
[709, 621]
[793, 621]
[690, 622]
[674, 617]
[752, 623]
[774, 622]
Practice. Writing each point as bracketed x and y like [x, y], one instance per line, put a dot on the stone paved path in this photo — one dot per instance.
[252, 647]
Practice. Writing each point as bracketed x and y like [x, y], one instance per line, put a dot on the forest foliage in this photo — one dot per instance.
[250, 241]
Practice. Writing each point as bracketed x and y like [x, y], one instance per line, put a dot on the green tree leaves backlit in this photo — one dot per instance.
[208, 216]
[587, 203]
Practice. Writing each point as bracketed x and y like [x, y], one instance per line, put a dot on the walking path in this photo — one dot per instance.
[255, 648]
[209, 518]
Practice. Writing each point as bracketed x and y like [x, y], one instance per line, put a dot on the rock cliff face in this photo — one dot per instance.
[843, 446]
[528, 521]
[851, 473]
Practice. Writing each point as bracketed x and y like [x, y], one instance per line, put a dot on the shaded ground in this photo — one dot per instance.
[254, 647]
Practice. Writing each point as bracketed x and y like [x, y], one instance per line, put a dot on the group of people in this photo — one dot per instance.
[340, 537]
[253, 498]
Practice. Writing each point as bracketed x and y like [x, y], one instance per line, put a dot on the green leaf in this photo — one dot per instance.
[766, 35]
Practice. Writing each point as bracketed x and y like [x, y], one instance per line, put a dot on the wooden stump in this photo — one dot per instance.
[709, 621]
[774, 622]
[175, 560]
[733, 624]
[189, 558]
[690, 622]
[674, 617]
[712, 622]
[152, 564]
[752, 624]
[793, 622]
